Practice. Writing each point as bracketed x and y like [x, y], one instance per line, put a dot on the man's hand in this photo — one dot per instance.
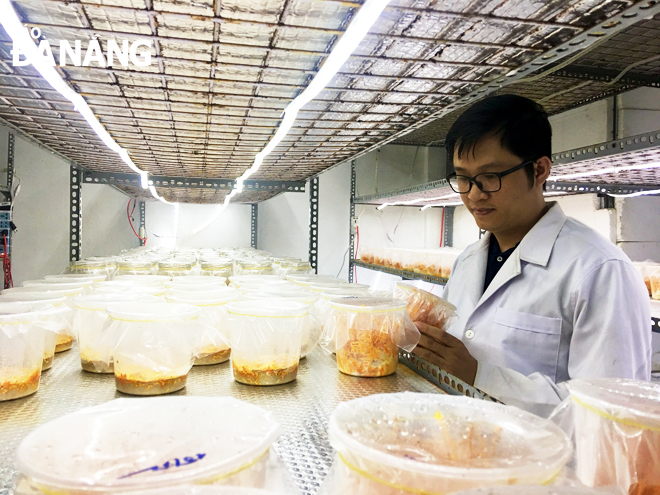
[446, 352]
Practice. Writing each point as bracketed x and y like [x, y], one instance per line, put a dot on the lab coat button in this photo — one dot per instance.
[469, 334]
[499, 258]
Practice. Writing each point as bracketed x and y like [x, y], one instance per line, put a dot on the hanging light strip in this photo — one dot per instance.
[23, 42]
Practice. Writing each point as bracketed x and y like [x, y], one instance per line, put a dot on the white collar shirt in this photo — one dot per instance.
[566, 304]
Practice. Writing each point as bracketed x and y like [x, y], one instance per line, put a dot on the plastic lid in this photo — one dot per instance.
[43, 290]
[311, 277]
[621, 399]
[268, 308]
[370, 304]
[175, 265]
[151, 290]
[256, 279]
[449, 437]
[433, 297]
[156, 312]
[206, 490]
[203, 298]
[74, 277]
[323, 286]
[128, 444]
[90, 263]
[144, 279]
[10, 312]
[35, 297]
[289, 295]
[57, 285]
[100, 302]
[349, 292]
[195, 280]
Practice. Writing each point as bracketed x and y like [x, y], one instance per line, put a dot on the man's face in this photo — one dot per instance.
[506, 209]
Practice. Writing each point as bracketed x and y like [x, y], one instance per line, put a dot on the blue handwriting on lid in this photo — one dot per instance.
[169, 464]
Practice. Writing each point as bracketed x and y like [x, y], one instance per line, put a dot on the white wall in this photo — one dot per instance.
[41, 212]
[334, 221]
[105, 227]
[231, 229]
[283, 226]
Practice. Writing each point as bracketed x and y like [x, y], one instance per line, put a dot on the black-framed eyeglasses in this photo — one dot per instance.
[488, 182]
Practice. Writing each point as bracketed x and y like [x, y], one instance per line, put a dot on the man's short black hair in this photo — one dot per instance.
[520, 123]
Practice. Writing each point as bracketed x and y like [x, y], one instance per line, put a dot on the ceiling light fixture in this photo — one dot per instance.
[442, 205]
[418, 200]
[356, 31]
[23, 41]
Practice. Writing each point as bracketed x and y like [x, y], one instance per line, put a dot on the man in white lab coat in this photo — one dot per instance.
[541, 298]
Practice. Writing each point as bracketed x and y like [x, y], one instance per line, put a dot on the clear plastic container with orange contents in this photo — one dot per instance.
[653, 272]
[366, 334]
[153, 353]
[405, 443]
[266, 340]
[617, 432]
[426, 307]
[22, 342]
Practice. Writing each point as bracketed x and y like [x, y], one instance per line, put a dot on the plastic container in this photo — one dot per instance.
[266, 340]
[144, 279]
[60, 332]
[90, 267]
[540, 490]
[324, 286]
[210, 490]
[175, 268]
[153, 354]
[196, 281]
[255, 268]
[617, 432]
[397, 444]
[312, 326]
[135, 267]
[96, 345]
[47, 285]
[211, 335]
[426, 307]
[653, 272]
[307, 280]
[240, 280]
[22, 342]
[366, 332]
[127, 287]
[295, 267]
[66, 278]
[221, 267]
[157, 443]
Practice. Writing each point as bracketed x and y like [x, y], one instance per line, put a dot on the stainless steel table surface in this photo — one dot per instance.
[303, 407]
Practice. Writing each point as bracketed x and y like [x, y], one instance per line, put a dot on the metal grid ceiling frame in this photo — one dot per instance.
[223, 72]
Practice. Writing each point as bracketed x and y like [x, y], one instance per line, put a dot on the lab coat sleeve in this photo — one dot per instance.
[611, 338]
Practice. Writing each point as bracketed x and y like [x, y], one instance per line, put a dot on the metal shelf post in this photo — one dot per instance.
[75, 214]
[351, 232]
[314, 223]
[143, 225]
[254, 225]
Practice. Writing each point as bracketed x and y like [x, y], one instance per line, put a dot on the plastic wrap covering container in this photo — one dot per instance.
[154, 352]
[156, 443]
[89, 267]
[55, 321]
[255, 267]
[653, 273]
[174, 268]
[211, 490]
[398, 444]
[135, 267]
[295, 267]
[366, 332]
[307, 280]
[64, 319]
[196, 281]
[144, 279]
[110, 264]
[96, 345]
[222, 267]
[312, 326]
[211, 335]
[266, 339]
[366, 255]
[539, 490]
[48, 285]
[322, 306]
[72, 278]
[617, 433]
[22, 341]
[320, 287]
[240, 280]
[426, 307]
[127, 287]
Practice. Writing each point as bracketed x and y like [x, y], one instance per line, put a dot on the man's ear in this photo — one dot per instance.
[542, 169]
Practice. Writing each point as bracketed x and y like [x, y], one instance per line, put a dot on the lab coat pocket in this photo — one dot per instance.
[528, 343]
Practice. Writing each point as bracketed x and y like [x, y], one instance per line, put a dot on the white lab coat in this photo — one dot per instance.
[566, 304]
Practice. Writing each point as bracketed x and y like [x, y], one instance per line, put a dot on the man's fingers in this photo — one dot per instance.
[432, 345]
[436, 334]
[429, 356]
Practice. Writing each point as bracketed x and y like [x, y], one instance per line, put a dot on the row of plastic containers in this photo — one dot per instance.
[385, 444]
[434, 262]
[650, 271]
[181, 262]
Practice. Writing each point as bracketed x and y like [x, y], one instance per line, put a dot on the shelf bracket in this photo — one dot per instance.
[254, 224]
[75, 214]
[448, 234]
[314, 224]
[351, 232]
